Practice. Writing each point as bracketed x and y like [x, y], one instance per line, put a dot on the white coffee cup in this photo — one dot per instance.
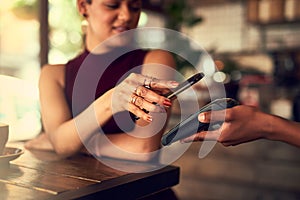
[3, 136]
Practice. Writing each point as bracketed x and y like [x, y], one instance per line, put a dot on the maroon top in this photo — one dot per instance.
[91, 68]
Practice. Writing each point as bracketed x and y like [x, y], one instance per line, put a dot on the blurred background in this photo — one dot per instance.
[256, 47]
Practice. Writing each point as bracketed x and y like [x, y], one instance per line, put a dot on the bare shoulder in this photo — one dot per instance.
[160, 56]
[53, 73]
[159, 64]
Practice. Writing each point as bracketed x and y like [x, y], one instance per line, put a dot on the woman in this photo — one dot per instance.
[106, 18]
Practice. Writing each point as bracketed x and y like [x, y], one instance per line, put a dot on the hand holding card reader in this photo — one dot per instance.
[191, 125]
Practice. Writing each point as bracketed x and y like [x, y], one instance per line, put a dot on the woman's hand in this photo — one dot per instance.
[241, 124]
[139, 93]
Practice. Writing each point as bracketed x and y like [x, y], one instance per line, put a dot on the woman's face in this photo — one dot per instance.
[110, 17]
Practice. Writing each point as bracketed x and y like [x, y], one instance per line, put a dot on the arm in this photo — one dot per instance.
[145, 137]
[283, 130]
[62, 130]
[244, 124]
[59, 126]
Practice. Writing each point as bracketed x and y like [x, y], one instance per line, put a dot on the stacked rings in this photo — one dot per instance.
[137, 100]
[133, 99]
[147, 82]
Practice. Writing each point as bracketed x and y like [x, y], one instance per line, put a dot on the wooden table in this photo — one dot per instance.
[44, 175]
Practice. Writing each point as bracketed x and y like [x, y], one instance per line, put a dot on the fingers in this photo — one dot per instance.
[152, 96]
[150, 88]
[212, 116]
[207, 135]
[229, 114]
[139, 112]
[141, 108]
[157, 84]
[141, 103]
[144, 101]
[153, 83]
[143, 94]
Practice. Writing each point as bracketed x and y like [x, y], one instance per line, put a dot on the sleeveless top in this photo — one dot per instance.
[110, 74]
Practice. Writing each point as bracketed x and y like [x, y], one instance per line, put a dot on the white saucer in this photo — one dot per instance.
[10, 154]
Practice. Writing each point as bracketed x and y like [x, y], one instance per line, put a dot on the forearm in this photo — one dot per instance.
[124, 146]
[141, 144]
[283, 130]
[69, 137]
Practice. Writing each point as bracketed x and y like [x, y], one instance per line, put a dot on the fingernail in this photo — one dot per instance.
[149, 118]
[173, 84]
[202, 117]
[167, 103]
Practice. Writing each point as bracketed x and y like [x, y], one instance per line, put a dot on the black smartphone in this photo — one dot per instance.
[180, 88]
[191, 125]
[184, 85]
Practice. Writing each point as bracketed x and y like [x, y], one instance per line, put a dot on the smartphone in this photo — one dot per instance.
[191, 125]
[184, 85]
[180, 88]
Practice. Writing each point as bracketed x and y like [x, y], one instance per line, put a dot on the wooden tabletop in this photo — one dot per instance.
[45, 175]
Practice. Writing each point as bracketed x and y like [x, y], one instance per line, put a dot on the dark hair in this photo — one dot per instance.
[89, 1]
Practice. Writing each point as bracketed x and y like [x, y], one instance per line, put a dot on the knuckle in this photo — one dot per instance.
[225, 144]
[153, 83]
[161, 100]
[133, 75]
[142, 91]
[129, 81]
[134, 109]
[221, 138]
[229, 115]
[139, 101]
[138, 90]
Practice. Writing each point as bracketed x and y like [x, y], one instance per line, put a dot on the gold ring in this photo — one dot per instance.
[133, 99]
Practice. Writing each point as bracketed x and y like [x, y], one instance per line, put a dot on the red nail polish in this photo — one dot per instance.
[167, 103]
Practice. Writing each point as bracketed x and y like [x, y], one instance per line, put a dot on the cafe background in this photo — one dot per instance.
[255, 43]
